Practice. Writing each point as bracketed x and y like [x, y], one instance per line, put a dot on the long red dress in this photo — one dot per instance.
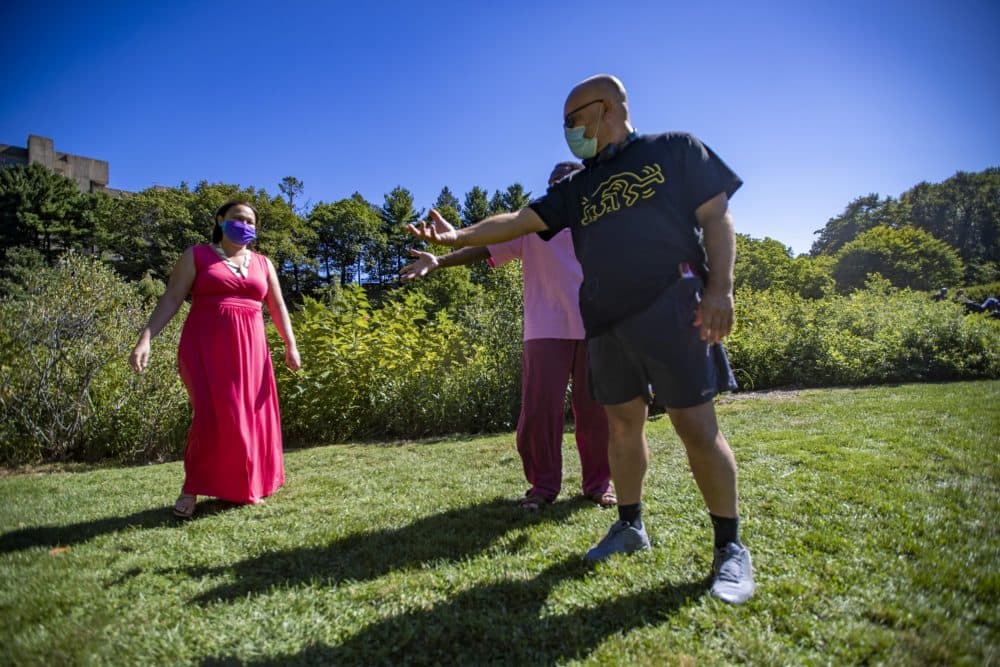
[233, 448]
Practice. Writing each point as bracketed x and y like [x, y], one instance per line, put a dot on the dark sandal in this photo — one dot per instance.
[606, 499]
[533, 502]
[184, 506]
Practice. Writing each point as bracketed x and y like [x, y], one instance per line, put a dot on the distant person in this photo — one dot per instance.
[971, 307]
[652, 231]
[554, 351]
[233, 449]
[941, 295]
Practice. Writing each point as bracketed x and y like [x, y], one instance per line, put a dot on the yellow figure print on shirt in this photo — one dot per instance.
[625, 188]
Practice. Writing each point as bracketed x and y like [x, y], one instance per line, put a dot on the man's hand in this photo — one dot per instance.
[426, 262]
[715, 316]
[439, 232]
[715, 312]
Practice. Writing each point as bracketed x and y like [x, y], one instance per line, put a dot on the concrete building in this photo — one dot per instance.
[90, 175]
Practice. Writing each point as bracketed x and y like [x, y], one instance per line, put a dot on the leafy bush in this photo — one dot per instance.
[396, 371]
[981, 292]
[66, 391]
[408, 368]
[876, 335]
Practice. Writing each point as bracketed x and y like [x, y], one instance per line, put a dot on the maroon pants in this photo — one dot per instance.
[546, 367]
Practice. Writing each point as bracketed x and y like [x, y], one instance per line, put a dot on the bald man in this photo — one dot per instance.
[651, 229]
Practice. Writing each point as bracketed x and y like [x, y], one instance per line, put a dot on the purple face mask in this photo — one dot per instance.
[238, 231]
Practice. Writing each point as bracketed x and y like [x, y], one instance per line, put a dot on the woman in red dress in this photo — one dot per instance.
[233, 449]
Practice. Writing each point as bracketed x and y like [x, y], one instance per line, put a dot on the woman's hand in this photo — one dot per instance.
[139, 359]
[292, 359]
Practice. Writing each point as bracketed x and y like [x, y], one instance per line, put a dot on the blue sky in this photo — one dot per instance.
[811, 103]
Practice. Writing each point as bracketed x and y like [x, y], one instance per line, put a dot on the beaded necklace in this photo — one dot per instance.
[238, 268]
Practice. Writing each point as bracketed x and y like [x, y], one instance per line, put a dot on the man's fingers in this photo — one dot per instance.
[423, 232]
[440, 224]
[710, 323]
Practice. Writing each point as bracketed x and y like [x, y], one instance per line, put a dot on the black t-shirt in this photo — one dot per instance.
[632, 214]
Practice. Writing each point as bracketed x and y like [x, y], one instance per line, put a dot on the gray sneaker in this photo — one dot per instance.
[623, 538]
[732, 574]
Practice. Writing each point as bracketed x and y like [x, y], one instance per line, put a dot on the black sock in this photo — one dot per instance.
[726, 530]
[631, 513]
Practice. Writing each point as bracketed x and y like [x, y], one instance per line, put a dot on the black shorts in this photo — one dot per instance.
[658, 354]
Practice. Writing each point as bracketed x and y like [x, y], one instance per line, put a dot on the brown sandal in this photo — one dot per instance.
[606, 499]
[184, 505]
[533, 502]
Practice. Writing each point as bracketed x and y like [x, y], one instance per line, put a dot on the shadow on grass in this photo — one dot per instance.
[53, 536]
[500, 623]
[451, 535]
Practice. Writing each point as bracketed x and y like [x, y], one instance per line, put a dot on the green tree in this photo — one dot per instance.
[497, 203]
[760, 263]
[448, 206]
[477, 206]
[396, 213]
[515, 198]
[344, 229]
[292, 188]
[860, 215]
[447, 199]
[152, 228]
[907, 258]
[768, 264]
[810, 277]
[963, 211]
[43, 210]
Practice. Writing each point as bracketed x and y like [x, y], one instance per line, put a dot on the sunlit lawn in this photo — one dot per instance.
[871, 514]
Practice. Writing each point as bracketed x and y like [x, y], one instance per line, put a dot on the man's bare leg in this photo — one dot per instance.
[714, 468]
[628, 453]
[711, 460]
[628, 456]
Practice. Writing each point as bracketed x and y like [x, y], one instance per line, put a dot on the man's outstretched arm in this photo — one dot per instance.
[494, 229]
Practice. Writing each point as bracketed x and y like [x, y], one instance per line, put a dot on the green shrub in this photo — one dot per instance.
[980, 292]
[875, 335]
[407, 368]
[402, 370]
[66, 391]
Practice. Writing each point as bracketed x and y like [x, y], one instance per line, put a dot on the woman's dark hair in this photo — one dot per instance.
[220, 216]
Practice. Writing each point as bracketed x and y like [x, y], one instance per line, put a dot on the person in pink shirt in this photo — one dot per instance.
[554, 351]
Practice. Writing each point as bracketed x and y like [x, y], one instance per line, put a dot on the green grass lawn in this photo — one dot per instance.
[871, 515]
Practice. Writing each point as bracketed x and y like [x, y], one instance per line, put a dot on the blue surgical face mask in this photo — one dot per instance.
[579, 145]
[239, 232]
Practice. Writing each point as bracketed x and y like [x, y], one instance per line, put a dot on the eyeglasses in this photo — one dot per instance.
[568, 120]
